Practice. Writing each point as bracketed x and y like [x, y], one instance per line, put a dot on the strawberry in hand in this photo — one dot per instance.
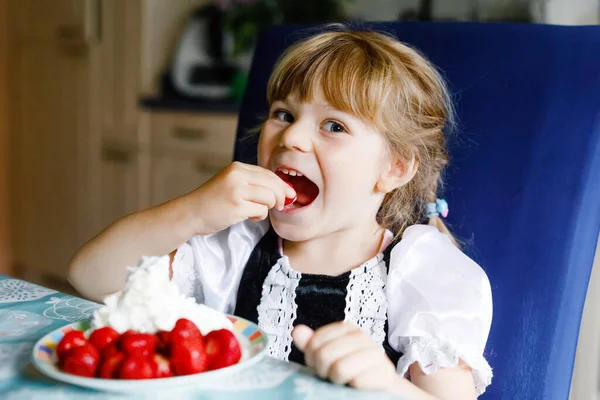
[290, 200]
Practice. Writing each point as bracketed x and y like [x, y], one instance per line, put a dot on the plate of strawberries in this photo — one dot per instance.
[105, 359]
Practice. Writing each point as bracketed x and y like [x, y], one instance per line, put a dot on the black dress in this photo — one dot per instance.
[318, 299]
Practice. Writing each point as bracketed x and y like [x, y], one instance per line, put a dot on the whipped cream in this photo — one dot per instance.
[151, 302]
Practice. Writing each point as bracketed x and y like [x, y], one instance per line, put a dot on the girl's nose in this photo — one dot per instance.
[296, 137]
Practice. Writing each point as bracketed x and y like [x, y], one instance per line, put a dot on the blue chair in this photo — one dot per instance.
[524, 181]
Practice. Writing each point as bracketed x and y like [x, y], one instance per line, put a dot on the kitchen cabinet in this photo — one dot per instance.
[84, 152]
[116, 152]
[49, 103]
[171, 175]
[187, 150]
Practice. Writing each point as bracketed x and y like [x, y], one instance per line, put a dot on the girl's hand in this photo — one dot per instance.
[238, 192]
[346, 355]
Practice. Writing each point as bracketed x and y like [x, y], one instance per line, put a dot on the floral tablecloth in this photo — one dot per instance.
[28, 312]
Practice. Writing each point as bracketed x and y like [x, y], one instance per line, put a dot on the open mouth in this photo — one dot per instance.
[306, 190]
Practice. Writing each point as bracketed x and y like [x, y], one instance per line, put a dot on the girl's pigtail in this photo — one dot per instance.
[434, 212]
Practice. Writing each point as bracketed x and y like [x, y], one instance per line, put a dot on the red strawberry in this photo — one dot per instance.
[126, 334]
[184, 329]
[188, 356]
[163, 339]
[164, 369]
[103, 337]
[139, 345]
[222, 349]
[109, 350]
[81, 360]
[137, 368]
[289, 200]
[70, 340]
[110, 366]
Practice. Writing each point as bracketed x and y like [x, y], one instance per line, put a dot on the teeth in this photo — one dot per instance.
[290, 172]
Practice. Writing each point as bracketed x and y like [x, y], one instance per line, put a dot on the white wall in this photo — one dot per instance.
[572, 12]
[561, 12]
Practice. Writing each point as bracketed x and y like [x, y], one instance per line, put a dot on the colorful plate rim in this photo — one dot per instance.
[253, 341]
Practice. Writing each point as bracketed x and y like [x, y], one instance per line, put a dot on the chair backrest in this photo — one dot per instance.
[524, 180]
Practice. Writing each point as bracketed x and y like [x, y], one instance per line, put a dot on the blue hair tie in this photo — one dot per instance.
[440, 207]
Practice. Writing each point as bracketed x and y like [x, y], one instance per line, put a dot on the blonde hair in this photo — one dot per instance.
[377, 78]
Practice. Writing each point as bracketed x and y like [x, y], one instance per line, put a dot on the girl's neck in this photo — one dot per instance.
[337, 252]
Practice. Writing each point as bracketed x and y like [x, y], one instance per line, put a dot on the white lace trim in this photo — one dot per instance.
[277, 308]
[434, 353]
[366, 300]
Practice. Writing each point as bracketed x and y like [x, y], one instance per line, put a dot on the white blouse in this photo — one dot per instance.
[439, 301]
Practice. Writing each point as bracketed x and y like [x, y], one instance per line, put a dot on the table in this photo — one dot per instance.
[28, 312]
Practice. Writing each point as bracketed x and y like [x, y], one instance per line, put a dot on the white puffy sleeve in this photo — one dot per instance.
[440, 305]
[209, 268]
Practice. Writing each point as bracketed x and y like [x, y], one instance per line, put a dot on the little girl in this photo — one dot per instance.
[345, 279]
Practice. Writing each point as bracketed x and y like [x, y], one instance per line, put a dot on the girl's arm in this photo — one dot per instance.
[445, 383]
[99, 267]
[235, 194]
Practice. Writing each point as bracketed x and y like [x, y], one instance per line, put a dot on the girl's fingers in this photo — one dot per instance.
[274, 184]
[326, 334]
[261, 195]
[358, 363]
[344, 354]
[301, 335]
[271, 176]
[256, 211]
[334, 350]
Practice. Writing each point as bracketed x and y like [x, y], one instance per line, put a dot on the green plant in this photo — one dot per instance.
[245, 19]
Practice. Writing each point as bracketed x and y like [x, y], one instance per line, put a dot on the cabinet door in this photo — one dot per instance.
[212, 135]
[120, 191]
[173, 177]
[35, 20]
[50, 96]
[117, 76]
[116, 159]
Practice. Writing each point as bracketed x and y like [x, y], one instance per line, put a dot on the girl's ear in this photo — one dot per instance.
[396, 173]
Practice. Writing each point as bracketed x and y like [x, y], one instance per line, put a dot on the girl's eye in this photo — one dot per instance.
[334, 127]
[284, 116]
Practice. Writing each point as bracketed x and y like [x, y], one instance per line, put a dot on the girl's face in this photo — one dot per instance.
[333, 159]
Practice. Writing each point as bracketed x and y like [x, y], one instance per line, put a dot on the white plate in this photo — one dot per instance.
[252, 341]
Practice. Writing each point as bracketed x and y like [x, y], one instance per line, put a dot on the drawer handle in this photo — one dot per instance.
[116, 155]
[188, 133]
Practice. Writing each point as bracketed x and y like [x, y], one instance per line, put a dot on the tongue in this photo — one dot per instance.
[306, 190]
